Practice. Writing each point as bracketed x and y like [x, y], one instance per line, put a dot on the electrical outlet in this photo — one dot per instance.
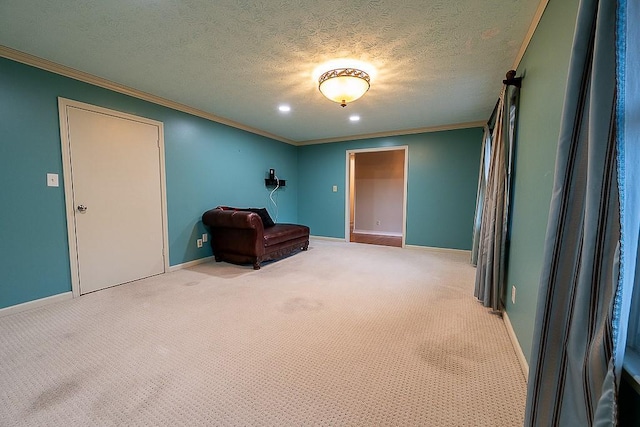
[52, 180]
[513, 294]
[334, 189]
[199, 243]
[205, 237]
[378, 222]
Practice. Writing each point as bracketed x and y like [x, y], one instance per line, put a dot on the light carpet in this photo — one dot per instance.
[340, 335]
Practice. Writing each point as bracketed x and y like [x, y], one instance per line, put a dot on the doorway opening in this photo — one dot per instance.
[376, 184]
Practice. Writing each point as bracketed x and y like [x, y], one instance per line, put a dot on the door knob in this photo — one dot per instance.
[82, 208]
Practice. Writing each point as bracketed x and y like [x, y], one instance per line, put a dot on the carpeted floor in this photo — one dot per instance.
[341, 335]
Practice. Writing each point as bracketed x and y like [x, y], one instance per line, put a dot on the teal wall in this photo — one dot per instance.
[442, 185]
[545, 67]
[206, 164]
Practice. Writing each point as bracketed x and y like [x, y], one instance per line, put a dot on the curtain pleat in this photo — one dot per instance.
[492, 241]
[629, 158]
[482, 185]
[574, 368]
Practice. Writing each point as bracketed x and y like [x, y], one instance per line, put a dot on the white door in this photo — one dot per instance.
[116, 197]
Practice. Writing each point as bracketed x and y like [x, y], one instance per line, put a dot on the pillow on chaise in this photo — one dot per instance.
[263, 214]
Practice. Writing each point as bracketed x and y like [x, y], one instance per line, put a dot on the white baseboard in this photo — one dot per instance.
[190, 263]
[433, 249]
[330, 239]
[516, 346]
[29, 305]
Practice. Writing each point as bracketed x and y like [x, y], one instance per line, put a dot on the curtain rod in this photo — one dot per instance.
[512, 80]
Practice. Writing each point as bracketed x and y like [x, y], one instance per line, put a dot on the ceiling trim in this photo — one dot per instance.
[532, 29]
[62, 70]
[454, 126]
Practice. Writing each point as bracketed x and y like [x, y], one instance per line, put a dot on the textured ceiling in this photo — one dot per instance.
[437, 62]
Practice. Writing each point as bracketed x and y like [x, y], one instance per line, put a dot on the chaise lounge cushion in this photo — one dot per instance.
[283, 232]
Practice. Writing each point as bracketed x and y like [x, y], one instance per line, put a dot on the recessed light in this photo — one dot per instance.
[354, 118]
[284, 108]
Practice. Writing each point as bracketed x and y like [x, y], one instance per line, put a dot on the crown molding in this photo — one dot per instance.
[82, 76]
[63, 70]
[537, 17]
[454, 126]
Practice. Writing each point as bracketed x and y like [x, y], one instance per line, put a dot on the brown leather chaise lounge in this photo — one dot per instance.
[243, 236]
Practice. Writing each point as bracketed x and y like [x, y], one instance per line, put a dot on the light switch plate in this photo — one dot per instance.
[52, 180]
[335, 188]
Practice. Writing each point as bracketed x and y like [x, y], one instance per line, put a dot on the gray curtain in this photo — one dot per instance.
[492, 239]
[629, 113]
[580, 331]
[483, 175]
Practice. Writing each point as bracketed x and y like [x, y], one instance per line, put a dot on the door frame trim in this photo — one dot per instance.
[63, 104]
[347, 186]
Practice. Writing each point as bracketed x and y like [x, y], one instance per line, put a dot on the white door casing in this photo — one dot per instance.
[113, 165]
[349, 177]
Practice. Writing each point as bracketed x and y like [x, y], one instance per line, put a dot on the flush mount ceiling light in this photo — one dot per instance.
[343, 85]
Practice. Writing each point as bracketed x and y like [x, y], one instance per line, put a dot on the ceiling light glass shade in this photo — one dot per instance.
[344, 85]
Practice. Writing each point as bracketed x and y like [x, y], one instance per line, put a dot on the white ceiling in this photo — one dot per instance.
[437, 62]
